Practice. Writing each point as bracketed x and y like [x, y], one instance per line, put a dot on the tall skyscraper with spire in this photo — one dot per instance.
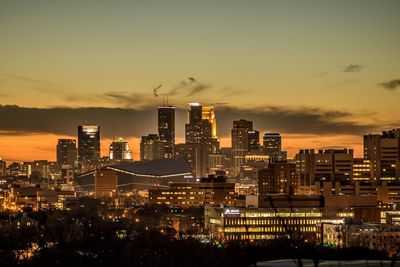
[166, 128]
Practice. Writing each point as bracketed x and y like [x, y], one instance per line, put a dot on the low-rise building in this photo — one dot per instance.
[208, 191]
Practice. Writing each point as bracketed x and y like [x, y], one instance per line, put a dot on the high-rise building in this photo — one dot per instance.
[151, 147]
[120, 151]
[278, 177]
[383, 151]
[254, 140]
[240, 144]
[272, 143]
[66, 152]
[210, 120]
[166, 128]
[88, 146]
[200, 138]
[196, 155]
[209, 115]
[194, 128]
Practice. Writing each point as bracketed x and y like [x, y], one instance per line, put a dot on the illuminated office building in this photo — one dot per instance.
[208, 191]
[254, 140]
[210, 120]
[209, 115]
[272, 145]
[325, 165]
[105, 183]
[88, 146]
[66, 152]
[120, 151]
[166, 128]
[194, 129]
[196, 156]
[362, 170]
[383, 151]
[151, 147]
[278, 177]
[259, 224]
[240, 144]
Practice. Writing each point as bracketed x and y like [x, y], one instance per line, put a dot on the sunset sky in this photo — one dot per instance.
[322, 73]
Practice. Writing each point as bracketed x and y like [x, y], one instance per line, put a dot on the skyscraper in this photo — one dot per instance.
[210, 120]
[151, 147]
[166, 128]
[272, 143]
[120, 151]
[66, 152]
[240, 143]
[209, 115]
[194, 128]
[88, 146]
[254, 140]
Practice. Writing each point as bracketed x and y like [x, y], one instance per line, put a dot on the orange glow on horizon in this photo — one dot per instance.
[43, 146]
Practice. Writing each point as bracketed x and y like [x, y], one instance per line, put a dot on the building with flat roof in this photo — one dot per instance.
[105, 183]
[88, 146]
[207, 191]
[166, 129]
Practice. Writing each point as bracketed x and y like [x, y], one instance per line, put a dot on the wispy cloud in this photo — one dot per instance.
[391, 85]
[25, 79]
[353, 68]
[188, 87]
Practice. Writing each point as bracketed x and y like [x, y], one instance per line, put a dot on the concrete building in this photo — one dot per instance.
[278, 177]
[196, 155]
[272, 146]
[151, 147]
[105, 183]
[325, 165]
[208, 191]
[249, 171]
[383, 151]
[67, 153]
[285, 217]
[240, 144]
[254, 224]
[362, 170]
[120, 151]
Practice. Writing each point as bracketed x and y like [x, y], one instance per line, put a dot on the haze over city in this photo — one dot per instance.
[320, 73]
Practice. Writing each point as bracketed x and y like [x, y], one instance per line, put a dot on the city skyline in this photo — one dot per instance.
[321, 74]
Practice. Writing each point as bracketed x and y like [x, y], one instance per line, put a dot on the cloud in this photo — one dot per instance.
[128, 122]
[353, 68]
[24, 79]
[391, 85]
[295, 120]
[342, 83]
[188, 87]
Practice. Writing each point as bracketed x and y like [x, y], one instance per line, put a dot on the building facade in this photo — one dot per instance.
[67, 153]
[166, 128]
[120, 151]
[88, 146]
